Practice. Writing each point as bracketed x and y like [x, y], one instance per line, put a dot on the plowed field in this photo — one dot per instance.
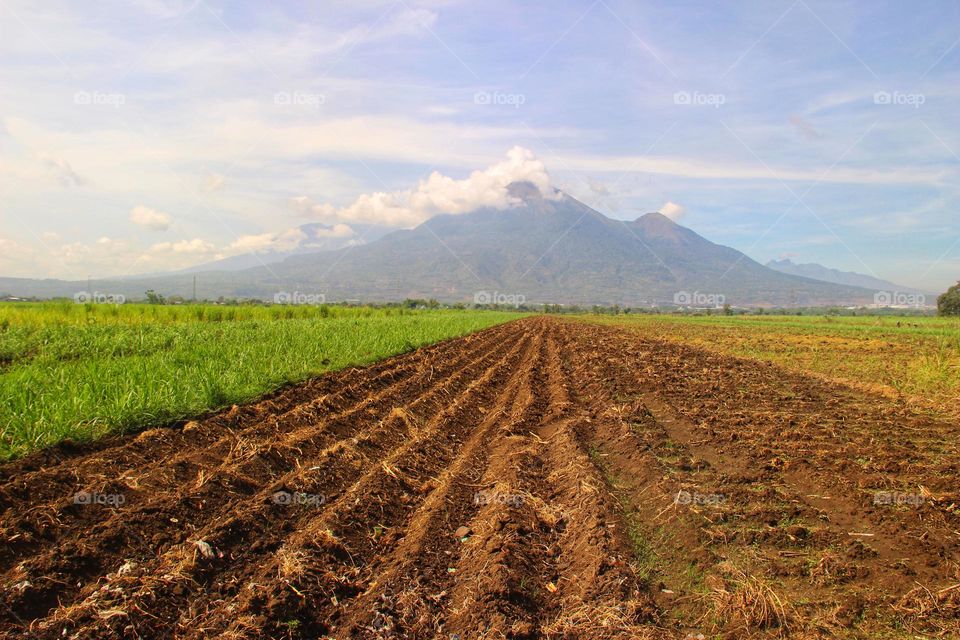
[539, 479]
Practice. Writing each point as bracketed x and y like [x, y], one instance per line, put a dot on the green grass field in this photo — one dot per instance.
[915, 356]
[81, 371]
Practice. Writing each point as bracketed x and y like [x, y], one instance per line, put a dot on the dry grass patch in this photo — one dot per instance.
[750, 601]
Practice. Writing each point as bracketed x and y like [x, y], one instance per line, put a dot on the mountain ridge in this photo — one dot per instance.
[836, 276]
[545, 250]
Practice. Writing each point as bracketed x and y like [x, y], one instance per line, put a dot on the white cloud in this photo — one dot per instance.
[306, 207]
[17, 259]
[104, 255]
[441, 110]
[598, 188]
[248, 136]
[259, 243]
[441, 194]
[213, 182]
[192, 247]
[63, 172]
[166, 9]
[338, 230]
[673, 210]
[149, 218]
[690, 167]
[183, 120]
[805, 128]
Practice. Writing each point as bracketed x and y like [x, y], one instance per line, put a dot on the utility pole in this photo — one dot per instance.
[194, 288]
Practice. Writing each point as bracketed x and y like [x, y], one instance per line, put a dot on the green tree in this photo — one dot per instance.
[948, 304]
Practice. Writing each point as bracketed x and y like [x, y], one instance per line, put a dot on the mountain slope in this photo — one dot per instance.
[556, 251]
[826, 274]
[542, 250]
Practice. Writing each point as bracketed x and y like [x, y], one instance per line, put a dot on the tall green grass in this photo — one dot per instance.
[65, 312]
[69, 372]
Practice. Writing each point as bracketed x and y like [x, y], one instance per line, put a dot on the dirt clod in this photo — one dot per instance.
[610, 485]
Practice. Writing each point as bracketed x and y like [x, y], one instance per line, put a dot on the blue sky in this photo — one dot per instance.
[146, 135]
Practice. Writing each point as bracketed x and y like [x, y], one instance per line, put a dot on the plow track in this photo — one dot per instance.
[521, 482]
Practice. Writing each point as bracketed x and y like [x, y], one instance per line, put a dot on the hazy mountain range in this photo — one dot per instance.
[820, 272]
[542, 250]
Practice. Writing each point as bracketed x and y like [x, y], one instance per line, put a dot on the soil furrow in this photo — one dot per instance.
[181, 576]
[339, 547]
[429, 554]
[177, 515]
[762, 514]
[43, 476]
[540, 479]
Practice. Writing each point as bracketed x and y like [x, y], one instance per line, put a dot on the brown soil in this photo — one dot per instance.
[540, 479]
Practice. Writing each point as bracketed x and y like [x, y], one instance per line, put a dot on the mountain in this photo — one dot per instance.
[555, 250]
[826, 274]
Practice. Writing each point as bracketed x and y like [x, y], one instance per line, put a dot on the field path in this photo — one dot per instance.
[539, 479]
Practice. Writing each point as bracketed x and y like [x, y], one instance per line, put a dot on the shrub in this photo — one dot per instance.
[948, 304]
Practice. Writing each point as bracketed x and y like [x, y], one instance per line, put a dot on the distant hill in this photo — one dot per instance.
[542, 250]
[826, 274]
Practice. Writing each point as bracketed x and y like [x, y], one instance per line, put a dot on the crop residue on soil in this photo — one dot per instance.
[539, 479]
